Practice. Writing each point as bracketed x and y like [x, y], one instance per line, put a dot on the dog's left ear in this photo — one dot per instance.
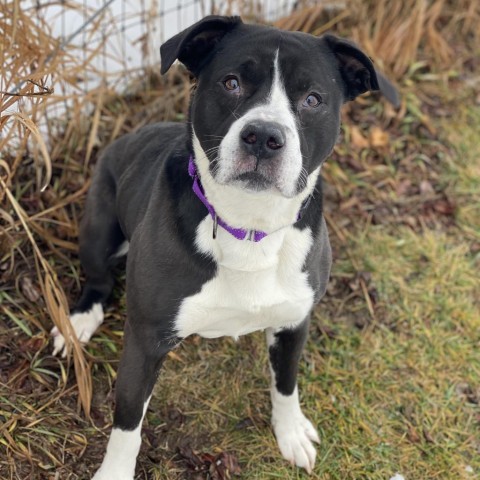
[193, 46]
[357, 70]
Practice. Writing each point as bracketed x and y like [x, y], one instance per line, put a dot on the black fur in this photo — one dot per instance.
[285, 355]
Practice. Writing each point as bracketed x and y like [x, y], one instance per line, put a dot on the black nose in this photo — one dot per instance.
[262, 139]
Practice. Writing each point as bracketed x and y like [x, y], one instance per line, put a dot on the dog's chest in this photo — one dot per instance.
[257, 285]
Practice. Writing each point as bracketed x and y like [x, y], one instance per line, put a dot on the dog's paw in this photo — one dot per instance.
[103, 474]
[84, 325]
[295, 436]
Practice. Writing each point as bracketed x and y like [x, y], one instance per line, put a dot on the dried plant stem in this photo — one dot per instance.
[57, 306]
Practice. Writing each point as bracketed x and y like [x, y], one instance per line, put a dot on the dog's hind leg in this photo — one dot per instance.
[294, 432]
[101, 243]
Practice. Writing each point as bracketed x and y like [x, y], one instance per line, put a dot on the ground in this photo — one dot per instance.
[391, 372]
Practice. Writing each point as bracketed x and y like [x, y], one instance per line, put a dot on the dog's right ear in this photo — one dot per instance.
[357, 70]
[193, 46]
[388, 90]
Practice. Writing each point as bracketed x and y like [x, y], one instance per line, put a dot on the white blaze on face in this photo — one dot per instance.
[270, 209]
[275, 109]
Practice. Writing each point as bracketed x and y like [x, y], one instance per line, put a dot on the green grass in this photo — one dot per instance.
[400, 394]
[391, 372]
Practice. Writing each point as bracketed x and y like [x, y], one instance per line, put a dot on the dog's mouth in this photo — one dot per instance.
[254, 181]
[250, 174]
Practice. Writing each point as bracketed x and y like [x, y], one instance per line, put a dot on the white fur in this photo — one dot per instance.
[294, 432]
[257, 285]
[122, 450]
[84, 325]
[266, 210]
[275, 109]
[122, 249]
[120, 458]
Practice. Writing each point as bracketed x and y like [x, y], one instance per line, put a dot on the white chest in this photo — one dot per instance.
[257, 285]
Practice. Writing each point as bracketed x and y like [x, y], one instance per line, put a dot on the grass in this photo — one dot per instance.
[394, 392]
[391, 372]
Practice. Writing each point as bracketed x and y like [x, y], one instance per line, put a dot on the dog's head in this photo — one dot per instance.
[266, 111]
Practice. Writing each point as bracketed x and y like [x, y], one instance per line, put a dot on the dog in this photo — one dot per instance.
[222, 216]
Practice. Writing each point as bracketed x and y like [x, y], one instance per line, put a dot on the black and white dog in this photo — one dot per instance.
[222, 216]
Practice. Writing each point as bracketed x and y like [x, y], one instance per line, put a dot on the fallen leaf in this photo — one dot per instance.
[29, 289]
[217, 467]
[244, 424]
[444, 207]
[402, 187]
[426, 188]
[230, 465]
[378, 137]
[357, 139]
[427, 435]
[412, 434]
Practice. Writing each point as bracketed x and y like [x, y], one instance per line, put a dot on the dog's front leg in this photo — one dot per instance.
[138, 371]
[294, 432]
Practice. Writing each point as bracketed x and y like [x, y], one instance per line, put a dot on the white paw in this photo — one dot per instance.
[295, 436]
[84, 326]
[121, 455]
[102, 474]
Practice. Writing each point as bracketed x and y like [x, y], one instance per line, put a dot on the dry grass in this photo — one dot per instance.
[394, 33]
[391, 373]
[28, 99]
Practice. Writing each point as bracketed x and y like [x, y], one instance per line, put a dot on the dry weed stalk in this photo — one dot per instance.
[31, 62]
[395, 32]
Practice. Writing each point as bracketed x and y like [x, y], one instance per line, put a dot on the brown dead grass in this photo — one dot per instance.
[394, 33]
[36, 71]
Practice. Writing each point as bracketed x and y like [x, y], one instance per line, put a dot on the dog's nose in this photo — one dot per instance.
[262, 139]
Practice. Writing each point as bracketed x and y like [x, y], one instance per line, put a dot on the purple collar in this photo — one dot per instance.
[238, 233]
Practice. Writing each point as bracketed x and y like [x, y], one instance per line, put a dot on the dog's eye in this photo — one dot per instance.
[313, 100]
[231, 84]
